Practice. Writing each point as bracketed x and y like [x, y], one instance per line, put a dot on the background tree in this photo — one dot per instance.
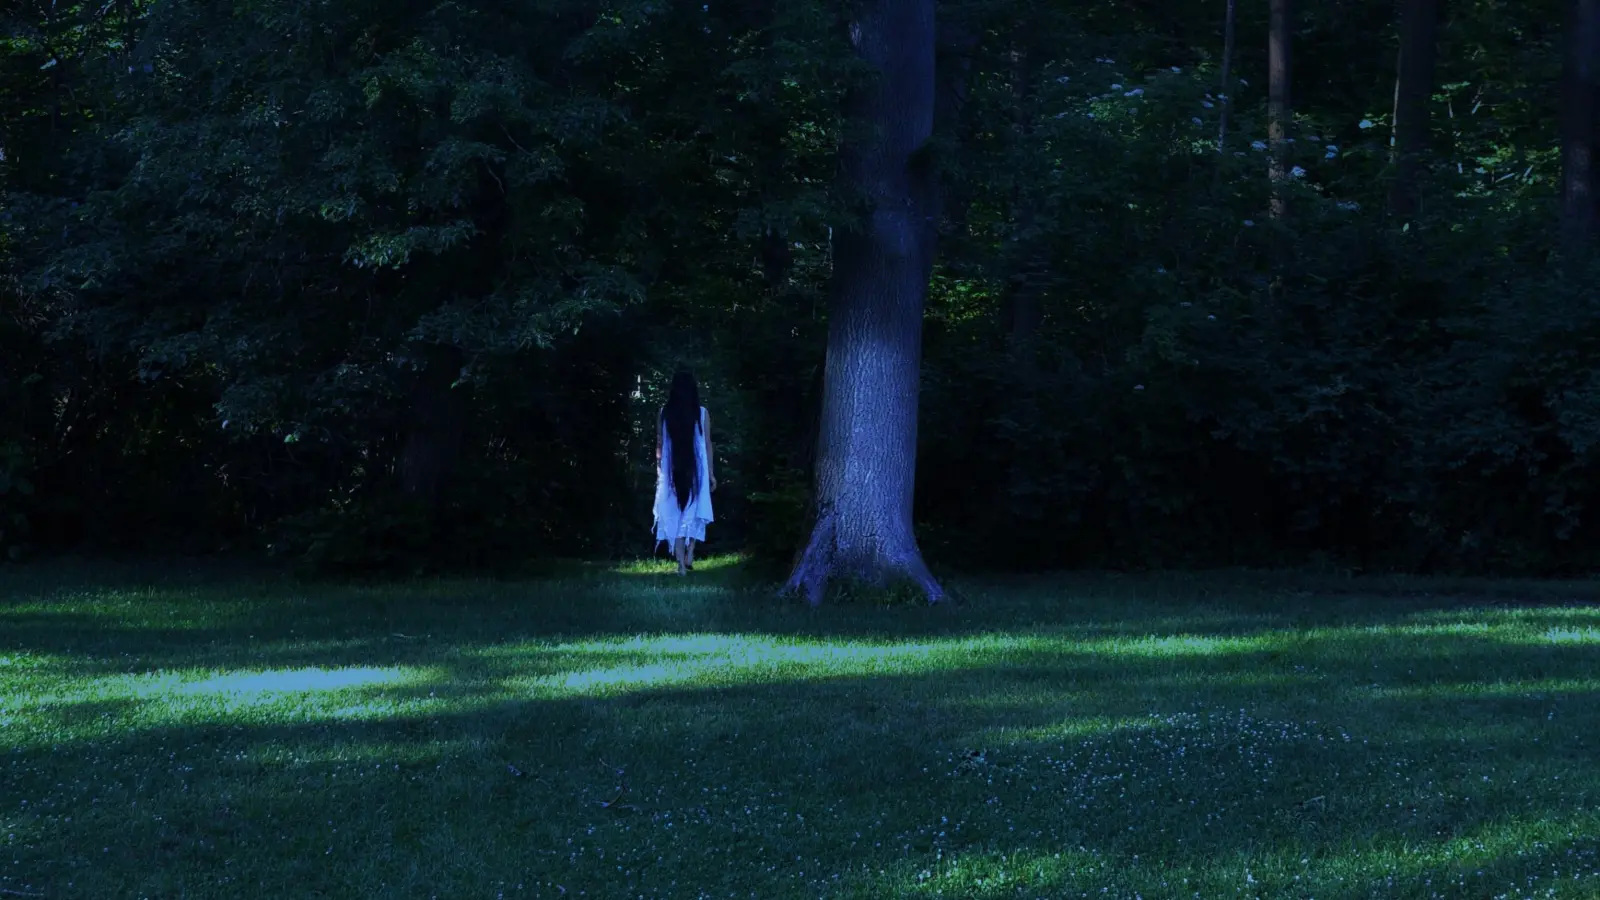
[1580, 127]
[242, 251]
[1414, 81]
[1280, 112]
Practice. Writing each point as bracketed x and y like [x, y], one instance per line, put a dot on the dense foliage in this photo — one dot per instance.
[398, 285]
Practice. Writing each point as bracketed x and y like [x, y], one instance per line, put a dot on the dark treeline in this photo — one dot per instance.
[399, 285]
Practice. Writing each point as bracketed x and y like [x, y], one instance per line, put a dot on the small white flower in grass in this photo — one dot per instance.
[1349, 205]
[1138, 387]
[1258, 145]
[1134, 93]
[1297, 172]
[1243, 82]
[1364, 124]
[1116, 87]
[1196, 120]
[1207, 104]
[1210, 319]
[1176, 70]
[1249, 223]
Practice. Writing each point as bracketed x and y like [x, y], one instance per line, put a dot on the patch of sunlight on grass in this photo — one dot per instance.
[1577, 615]
[89, 708]
[1485, 690]
[1573, 636]
[656, 566]
[138, 609]
[1072, 729]
[1489, 843]
[1448, 629]
[1450, 866]
[1180, 645]
[245, 686]
[282, 681]
[16, 663]
[1453, 867]
[727, 659]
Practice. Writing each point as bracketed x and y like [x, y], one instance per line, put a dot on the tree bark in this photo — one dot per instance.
[776, 259]
[1022, 307]
[1278, 107]
[1225, 94]
[867, 445]
[438, 424]
[956, 41]
[1578, 127]
[1419, 30]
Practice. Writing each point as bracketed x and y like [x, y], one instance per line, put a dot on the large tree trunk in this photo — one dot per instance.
[867, 445]
[1419, 29]
[438, 423]
[1578, 127]
[1278, 108]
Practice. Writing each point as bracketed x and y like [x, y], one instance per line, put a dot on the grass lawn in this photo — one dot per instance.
[196, 734]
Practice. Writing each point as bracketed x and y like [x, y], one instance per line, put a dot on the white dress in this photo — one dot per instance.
[691, 520]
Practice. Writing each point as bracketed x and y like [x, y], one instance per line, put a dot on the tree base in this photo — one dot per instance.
[873, 564]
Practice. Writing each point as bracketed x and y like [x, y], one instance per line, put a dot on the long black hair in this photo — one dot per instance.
[680, 417]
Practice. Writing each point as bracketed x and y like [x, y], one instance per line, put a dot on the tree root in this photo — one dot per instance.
[819, 564]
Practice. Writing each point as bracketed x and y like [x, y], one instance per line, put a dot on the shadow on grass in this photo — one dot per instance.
[1152, 769]
[127, 617]
[1150, 729]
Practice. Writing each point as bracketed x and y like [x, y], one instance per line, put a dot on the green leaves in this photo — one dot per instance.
[396, 250]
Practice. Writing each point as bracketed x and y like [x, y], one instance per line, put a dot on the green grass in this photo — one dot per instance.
[208, 735]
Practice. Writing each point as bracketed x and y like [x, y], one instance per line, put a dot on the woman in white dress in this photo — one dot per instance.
[684, 477]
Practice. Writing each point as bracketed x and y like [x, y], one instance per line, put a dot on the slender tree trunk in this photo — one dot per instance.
[1579, 126]
[953, 66]
[438, 424]
[1022, 305]
[1419, 31]
[1279, 110]
[776, 259]
[1225, 93]
[867, 446]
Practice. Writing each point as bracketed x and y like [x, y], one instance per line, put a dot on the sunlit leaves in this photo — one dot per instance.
[395, 250]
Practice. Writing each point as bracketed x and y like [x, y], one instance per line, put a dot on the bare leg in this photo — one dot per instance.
[678, 553]
[691, 552]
